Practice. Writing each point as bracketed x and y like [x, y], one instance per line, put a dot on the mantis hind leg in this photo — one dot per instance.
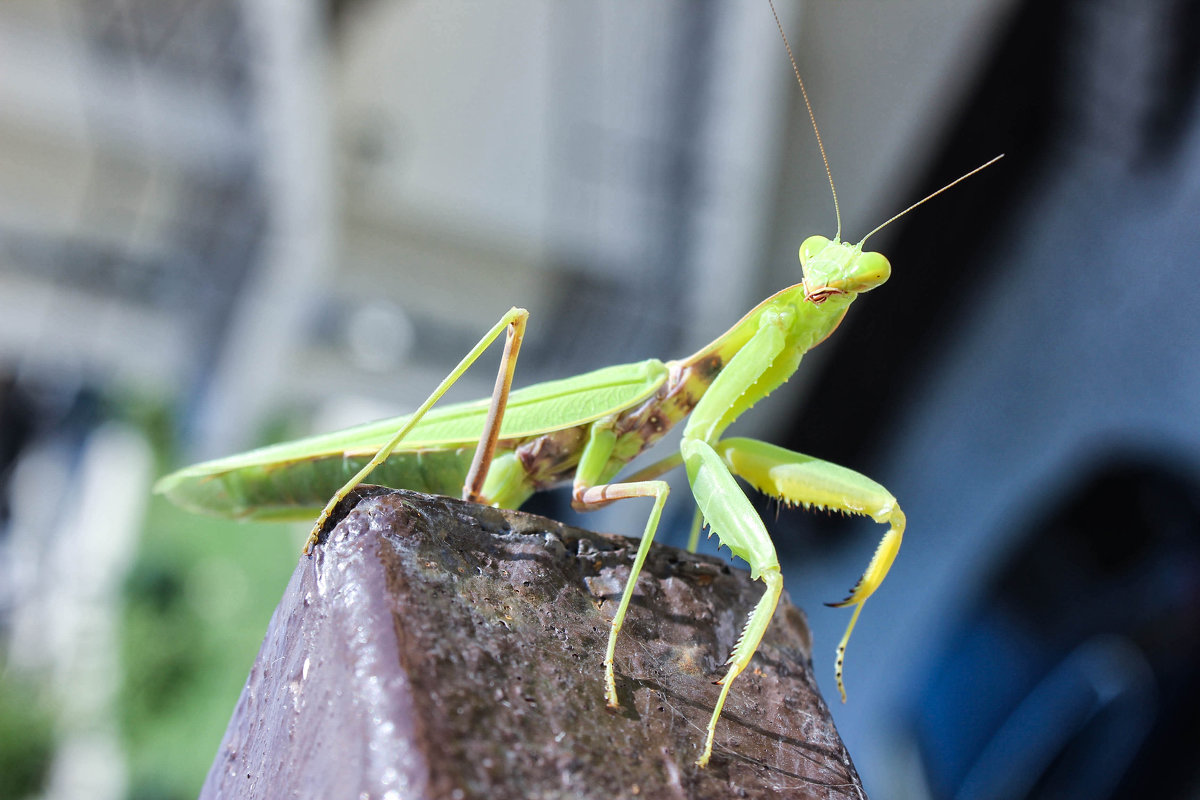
[478, 472]
[514, 321]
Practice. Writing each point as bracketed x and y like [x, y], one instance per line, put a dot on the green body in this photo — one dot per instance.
[293, 480]
[585, 429]
[544, 426]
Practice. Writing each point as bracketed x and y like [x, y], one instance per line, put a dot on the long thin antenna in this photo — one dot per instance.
[926, 199]
[837, 212]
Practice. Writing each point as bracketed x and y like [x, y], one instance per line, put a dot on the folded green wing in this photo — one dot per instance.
[276, 481]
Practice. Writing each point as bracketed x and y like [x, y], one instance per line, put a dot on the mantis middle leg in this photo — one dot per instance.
[589, 494]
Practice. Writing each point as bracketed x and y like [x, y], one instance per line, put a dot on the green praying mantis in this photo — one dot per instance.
[585, 429]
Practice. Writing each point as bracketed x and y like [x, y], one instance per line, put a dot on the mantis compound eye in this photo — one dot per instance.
[870, 270]
[811, 247]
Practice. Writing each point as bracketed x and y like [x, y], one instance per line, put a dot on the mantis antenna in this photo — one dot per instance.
[929, 197]
[821, 146]
[812, 117]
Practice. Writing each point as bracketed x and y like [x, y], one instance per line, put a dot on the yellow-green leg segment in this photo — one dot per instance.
[736, 523]
[743, 651]
[798, 479]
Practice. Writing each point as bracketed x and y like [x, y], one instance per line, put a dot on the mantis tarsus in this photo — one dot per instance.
[586, 428]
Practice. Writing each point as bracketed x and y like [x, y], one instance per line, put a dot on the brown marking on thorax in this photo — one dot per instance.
[551, 458]
[673, 401]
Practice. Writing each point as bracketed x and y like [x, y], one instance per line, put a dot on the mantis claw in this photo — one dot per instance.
[849, 597]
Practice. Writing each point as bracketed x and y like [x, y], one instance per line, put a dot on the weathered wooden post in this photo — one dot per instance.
[437, 649]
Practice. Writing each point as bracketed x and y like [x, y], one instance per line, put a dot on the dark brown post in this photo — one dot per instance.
[438, 649]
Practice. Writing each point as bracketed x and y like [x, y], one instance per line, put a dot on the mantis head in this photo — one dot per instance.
[833, 267]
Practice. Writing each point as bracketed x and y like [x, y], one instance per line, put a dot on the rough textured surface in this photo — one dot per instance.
[437, 649]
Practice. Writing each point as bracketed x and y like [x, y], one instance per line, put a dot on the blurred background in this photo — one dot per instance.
[225, 222]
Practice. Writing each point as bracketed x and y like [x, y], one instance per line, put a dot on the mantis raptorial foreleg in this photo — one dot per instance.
[730, 514]
[798, 479]
[712, 464]
[514, 321]
[793, 478]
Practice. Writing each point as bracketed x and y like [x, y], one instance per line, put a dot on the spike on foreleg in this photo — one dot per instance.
[735, 652]
[743, 651]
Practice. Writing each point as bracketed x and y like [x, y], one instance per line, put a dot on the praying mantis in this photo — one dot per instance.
[585, 429]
